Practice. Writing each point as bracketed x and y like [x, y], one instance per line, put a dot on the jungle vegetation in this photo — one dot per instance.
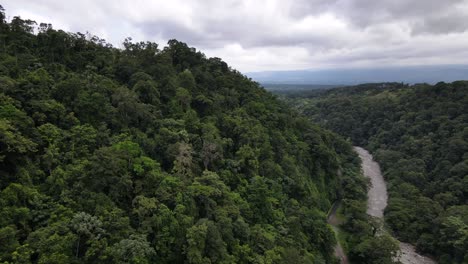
[419, 135]
[160, 155]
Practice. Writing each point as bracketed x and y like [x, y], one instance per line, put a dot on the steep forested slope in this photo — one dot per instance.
[149, 155]
[419, 134]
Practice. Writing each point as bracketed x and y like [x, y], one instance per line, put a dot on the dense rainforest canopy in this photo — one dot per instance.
[149, 155]
[419, 134]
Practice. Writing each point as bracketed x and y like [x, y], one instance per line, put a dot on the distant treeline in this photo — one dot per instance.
[295, 88]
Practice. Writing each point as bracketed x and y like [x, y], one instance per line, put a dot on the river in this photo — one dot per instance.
[377, 201]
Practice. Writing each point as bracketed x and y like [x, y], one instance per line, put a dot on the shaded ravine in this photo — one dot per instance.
[377, 201]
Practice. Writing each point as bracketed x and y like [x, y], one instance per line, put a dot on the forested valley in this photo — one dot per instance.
[162, 155]
[419, 135]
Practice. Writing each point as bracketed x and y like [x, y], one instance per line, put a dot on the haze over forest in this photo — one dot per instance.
[407, 74]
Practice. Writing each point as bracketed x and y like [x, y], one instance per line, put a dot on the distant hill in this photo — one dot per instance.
[407, 74]
[295, 88]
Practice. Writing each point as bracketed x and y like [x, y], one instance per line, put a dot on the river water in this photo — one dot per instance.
[377, 201]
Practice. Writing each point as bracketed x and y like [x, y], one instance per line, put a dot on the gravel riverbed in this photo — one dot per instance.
[377, 201]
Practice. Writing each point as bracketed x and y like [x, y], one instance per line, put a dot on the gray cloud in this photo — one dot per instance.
[427, 16]
[275, 34]
[368, 12]
[451, 22]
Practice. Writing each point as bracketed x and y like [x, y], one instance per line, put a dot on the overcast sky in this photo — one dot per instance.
[257, 35]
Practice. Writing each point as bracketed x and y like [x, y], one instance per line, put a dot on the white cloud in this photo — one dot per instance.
[254, 35]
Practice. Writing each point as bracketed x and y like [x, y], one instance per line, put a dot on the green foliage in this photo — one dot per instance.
[135, 250]
[143, 155]
[419, 135]
[380, 249]
[12, 142]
